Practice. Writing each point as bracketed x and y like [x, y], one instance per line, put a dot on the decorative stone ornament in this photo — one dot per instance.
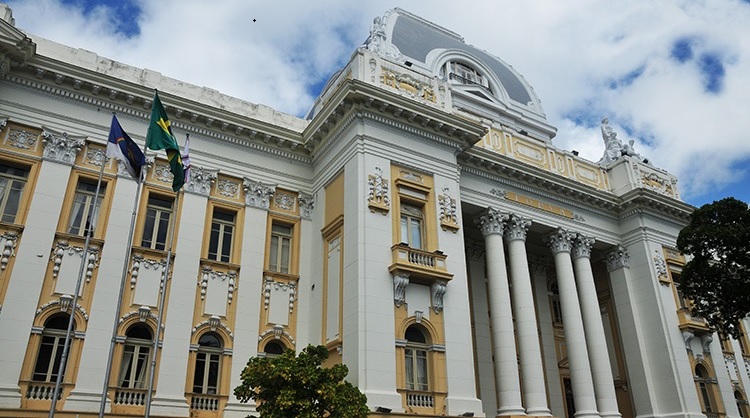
[61, 146]
[257, 194]
[8, 242]
[378, 199]
[400, 281]
[437, 290]
[65, 302]
[143, 313]
[582, 246]
[661, 268]
[447, 211]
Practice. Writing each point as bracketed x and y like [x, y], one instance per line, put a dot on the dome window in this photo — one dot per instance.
[460, 73]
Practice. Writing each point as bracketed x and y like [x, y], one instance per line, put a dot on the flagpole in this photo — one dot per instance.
[159, 310]
[123, 280]
[87, 232]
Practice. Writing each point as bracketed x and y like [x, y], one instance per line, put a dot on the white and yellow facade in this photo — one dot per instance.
[419, 222]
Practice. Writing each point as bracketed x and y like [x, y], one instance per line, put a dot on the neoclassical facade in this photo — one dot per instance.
[419, 222]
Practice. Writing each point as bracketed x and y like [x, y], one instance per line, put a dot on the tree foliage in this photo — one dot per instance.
[717, 278]
[297, 386]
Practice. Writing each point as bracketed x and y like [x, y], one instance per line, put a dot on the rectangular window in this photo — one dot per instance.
[220, 239]
[206, 378]
[85, 213]
[12, 182]
[156, 227]
[281, 248]
[411, 225]
[416, 369]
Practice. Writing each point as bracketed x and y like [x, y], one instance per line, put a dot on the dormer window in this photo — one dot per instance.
[460, 73]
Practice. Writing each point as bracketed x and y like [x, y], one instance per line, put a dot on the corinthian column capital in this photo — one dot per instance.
[618, 258]
[582, 246]
[516, 228]
[491, 221]
[560, 240]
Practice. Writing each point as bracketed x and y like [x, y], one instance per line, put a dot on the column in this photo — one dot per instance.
[22, 296]
[250, 283]
[86, 396]
[561, 243]
[532, 372]
[503, 341]
[601, 369]
[178, 318]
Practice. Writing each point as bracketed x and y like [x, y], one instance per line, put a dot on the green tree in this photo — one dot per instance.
[297, 386]
[717, 278]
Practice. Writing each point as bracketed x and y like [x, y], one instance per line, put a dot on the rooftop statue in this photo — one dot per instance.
[613, 147]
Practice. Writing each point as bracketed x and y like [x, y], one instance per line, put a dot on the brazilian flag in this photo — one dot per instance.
[160, 136]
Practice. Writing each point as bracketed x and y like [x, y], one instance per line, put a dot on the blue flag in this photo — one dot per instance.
[123, 148]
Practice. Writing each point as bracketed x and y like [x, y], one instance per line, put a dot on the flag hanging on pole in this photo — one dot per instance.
[123, 148]
[186, 159]
[160, 136]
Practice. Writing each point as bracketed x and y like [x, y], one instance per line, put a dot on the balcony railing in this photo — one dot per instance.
[421, 265]
[136, 397]
[420, 400]
[42, 391]
[202, 402]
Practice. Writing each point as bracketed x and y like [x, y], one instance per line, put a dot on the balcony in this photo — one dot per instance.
[422, 402]
[422, 266]
[690, 322]
[130, 397]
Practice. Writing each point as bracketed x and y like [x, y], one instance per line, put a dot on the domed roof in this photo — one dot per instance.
[415, 38]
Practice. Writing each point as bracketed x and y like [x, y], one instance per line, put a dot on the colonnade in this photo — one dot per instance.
[510, 296]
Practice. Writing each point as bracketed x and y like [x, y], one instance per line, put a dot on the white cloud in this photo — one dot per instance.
[571, 52]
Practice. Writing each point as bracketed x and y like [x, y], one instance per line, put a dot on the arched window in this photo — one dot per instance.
[208, 364]
[705, 388]
[51, 348]
[135, 357]
[742, 404]
[415, 359]
[273, 348]
[461, 73]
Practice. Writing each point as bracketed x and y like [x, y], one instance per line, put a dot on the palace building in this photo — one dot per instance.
[419, 222]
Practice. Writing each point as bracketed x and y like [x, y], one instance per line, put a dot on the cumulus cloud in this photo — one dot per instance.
[670, 75]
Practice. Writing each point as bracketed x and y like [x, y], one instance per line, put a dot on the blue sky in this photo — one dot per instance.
[673, 75]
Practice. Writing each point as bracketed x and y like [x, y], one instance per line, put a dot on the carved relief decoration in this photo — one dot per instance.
[8, 240]
[79, 308]
[290, 287]
[278, 332]
[207, 273]
[257, 194]
[448, 213]
[408, 85]
[22, 139]
[661, 268]
[61, 147]
[163, 173]
[516, 227]
[63, 248]
[95, 156]
[378, 199]
[227, 188]
[213, 324]
[582, 246]
[284, 200]
[145, 263]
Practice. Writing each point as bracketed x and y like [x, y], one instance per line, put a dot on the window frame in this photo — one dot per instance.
[410, 212]
[11, 179]
[220, 253]
[292, 236]
[153, 242]
[209, 356]
[416, 352]
[54, 357]
[88, 196]
[138, 344]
